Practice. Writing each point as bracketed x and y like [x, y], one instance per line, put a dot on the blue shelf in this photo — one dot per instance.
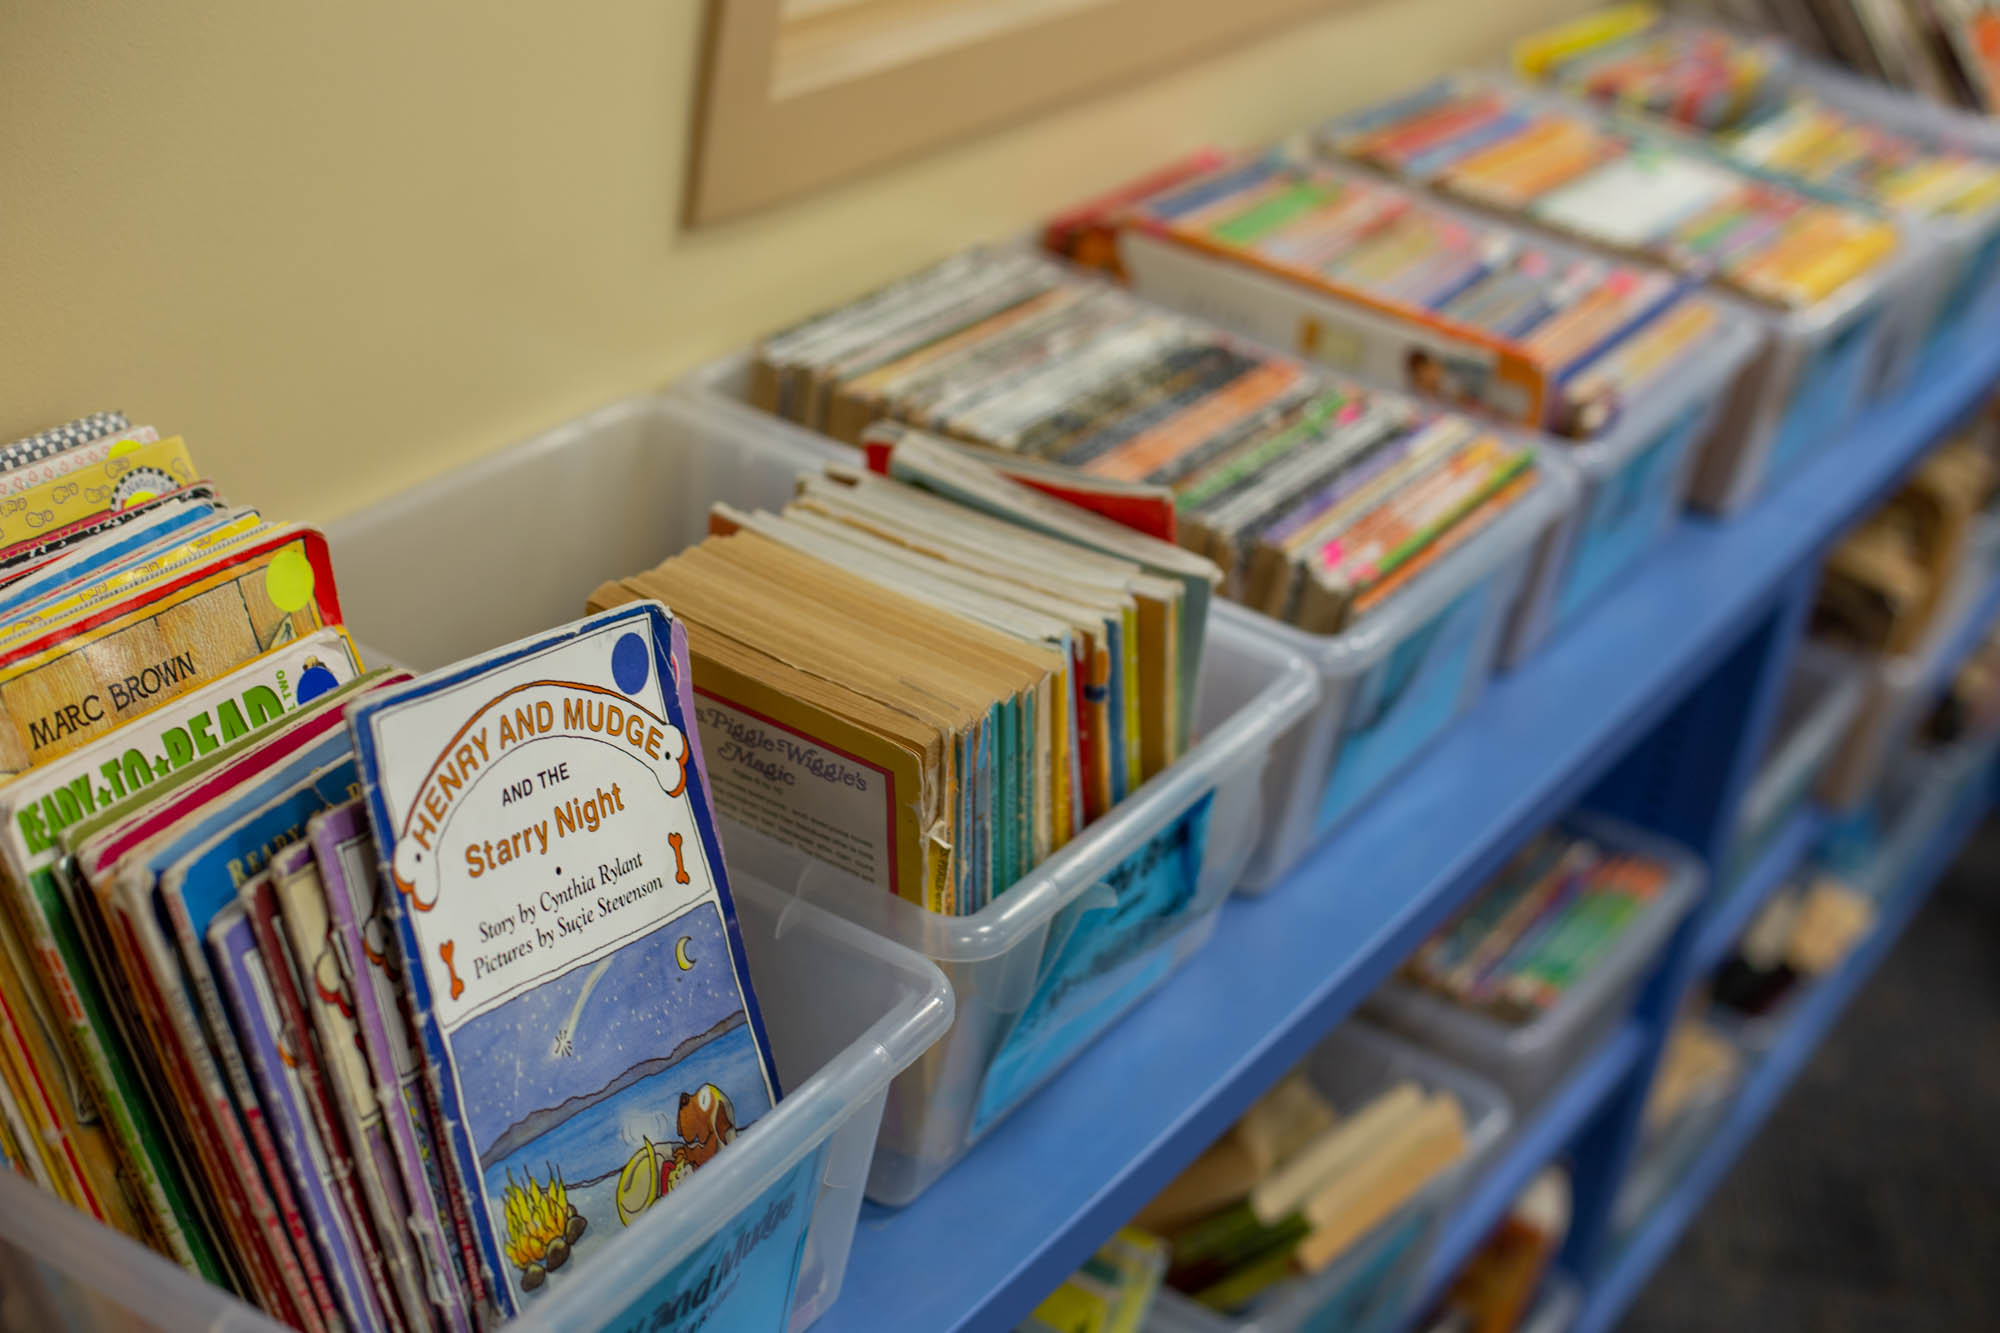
[1728, 919]
[1966, 635]
[1047, 1186]
[1816, 1013]
[1533, 1145]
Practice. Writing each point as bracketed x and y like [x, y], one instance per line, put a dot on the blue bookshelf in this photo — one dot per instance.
[1654, 706]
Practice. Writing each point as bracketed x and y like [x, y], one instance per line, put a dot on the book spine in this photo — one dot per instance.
[283, 973]
[233, 1083]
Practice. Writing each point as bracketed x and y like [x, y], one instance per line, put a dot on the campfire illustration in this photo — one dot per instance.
[541, 1226]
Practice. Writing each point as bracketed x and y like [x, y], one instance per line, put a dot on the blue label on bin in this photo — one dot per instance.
[1627, 511]
[743, 1276]
[1827, 389]
[1405, 700]
[1109, 948]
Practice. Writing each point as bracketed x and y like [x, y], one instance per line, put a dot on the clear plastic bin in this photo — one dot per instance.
[1631, 482]
[1921, 793]
[1665, 1155]
[1527, 1060]
[846, 1012]
[1965, 294]
[1812, 376]
[638, 478]
[1632, 477]
[1394, 681]
[1821, 699]
[1389, 685]
[1369, 1287]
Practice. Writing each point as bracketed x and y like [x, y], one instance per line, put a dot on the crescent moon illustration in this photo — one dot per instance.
[681, 952]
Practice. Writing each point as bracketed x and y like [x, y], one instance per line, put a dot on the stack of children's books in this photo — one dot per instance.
[1713, 80]
[1379, 279]
[1516, 152]
[1298, 1183]
[1317, 499]
[344, 990]
[1543, 924]
[1045, 666]
[1633, 57]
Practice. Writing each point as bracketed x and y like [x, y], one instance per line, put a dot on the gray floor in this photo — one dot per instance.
[1871, 1201]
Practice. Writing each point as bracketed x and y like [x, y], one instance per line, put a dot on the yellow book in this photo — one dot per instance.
[1552, 46]
[88, 673]
[103, 475]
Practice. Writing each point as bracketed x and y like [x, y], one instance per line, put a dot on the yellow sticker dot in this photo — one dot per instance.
[140, 497]
[122, 448]
[288, 579]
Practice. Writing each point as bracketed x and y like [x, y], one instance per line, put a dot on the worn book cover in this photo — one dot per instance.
[582, 995]
[111, 662]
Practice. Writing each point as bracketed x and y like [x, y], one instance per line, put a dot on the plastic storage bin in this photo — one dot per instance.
[1814, 372]
[846, 1012]
[1529, 1059]
[1370, 1286]
[1394, 681]
[1665, 1157]
[1965, 294]
[1038, 973]
[1821, 700]
[1631, 477]
[1389, 684]
[1922, 792]
[1631, 482]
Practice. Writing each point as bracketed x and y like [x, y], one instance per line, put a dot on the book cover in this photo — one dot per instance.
[582, 995]
[89, 673]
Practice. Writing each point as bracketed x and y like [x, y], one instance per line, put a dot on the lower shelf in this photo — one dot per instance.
[1536, 1142]
[1816, 1012]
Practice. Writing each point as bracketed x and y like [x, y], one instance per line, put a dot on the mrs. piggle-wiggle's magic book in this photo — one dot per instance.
[582, 997]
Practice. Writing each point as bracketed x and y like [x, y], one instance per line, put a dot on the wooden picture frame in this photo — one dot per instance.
[796, 94]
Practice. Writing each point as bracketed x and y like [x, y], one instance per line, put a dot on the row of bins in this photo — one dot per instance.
[891, 1089]
[893, 1077]
[904, 1035]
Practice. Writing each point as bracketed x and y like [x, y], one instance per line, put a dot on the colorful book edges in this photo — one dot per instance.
[1012, 356]
[1543, 923]
[1372, 278]
[1518, 154]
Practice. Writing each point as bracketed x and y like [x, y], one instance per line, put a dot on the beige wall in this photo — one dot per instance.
[343, 245]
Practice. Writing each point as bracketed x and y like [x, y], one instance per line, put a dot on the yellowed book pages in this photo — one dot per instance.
[1360, 1197]
[1334, 1152]
[1282, 1121]
[762, 727]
